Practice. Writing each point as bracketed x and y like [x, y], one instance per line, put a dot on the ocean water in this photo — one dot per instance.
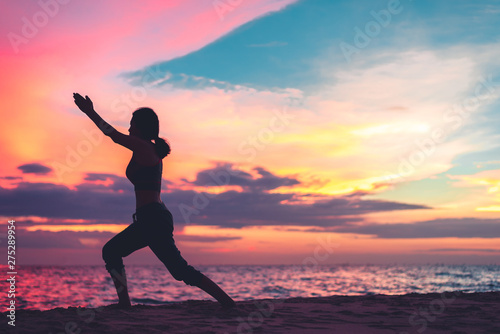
[47, 287]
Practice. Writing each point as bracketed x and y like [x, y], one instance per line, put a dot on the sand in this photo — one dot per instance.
[451, 312]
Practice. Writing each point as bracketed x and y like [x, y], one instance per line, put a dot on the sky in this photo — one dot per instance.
[302, 131]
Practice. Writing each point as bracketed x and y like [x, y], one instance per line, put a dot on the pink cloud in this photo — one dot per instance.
[125, 34]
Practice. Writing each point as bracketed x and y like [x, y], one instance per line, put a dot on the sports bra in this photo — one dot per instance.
[144, 177]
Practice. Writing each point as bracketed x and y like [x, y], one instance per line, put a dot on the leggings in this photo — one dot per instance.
[153, 226]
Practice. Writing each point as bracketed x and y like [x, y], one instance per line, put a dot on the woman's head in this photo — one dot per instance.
[145, 124]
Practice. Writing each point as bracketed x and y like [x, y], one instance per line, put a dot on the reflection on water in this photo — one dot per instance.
[46, 287]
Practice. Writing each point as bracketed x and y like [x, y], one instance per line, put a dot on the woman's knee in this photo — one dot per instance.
[108, 253]
[112, 259]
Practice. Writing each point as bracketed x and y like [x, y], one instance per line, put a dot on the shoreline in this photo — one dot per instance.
[445, 312]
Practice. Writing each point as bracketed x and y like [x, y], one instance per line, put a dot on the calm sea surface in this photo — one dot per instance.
[46, 287]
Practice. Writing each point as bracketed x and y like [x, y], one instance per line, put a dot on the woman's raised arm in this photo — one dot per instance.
[86, 105]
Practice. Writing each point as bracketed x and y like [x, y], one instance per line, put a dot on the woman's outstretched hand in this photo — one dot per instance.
[85, 104]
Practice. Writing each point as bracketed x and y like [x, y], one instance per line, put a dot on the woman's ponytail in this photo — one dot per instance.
[162, 147]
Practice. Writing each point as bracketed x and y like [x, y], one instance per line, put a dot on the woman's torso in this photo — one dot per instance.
[144, 171]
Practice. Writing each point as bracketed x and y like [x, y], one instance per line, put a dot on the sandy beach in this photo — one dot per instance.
[450, 312]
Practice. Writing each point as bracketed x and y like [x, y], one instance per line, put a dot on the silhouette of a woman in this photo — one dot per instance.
[152, 222]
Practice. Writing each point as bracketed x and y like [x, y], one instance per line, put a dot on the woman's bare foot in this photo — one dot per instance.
[120, 306]
[125, 306]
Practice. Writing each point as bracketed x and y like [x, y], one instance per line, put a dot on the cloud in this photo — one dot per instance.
[118, 183]
[99, 176]
[112, 201]
[489, 180]
[485, 250]
[437, 228]
[255, 205]
[87, 201]
[35, 168]
[239, 209]
[11, 177]
[113, 27]
[177, 80]
[63, 239]
[225, 174]
[204, 238]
